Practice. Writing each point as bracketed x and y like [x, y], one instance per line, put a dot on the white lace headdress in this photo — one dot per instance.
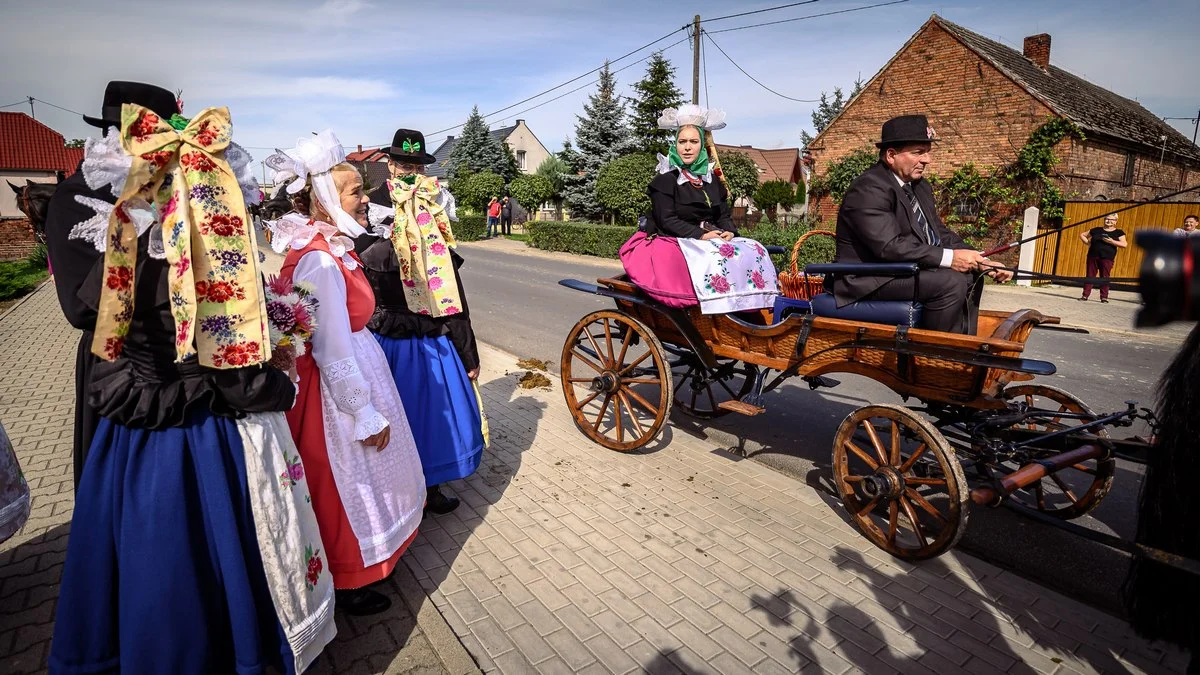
[690, 114]
[311, 162]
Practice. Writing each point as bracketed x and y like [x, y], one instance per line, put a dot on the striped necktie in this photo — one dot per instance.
[931, 237]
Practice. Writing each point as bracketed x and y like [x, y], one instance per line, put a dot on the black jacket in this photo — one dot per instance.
[875, 224]
[678, 209]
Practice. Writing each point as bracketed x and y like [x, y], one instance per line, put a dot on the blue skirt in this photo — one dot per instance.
[440, 404]
[163, 573]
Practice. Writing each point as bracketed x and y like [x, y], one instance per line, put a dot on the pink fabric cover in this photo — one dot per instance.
[656, 265]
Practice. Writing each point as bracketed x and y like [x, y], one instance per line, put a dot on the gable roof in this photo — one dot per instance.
[368, 155]
[779, 164]
[27, 144]
[1094, 108]
[442, 155]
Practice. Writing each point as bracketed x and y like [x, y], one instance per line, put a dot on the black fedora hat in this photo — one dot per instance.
[906, 129]
[117, 93]
[408, 146]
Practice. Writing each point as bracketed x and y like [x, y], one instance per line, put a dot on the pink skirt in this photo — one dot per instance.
[656, 265]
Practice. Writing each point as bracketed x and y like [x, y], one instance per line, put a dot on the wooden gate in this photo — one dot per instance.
[1065, 254]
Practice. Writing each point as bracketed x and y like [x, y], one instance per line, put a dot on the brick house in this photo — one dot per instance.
[29, 151]
[984, 99]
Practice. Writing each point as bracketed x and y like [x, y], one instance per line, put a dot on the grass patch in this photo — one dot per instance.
[19, 277]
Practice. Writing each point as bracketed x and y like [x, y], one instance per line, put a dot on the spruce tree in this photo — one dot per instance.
[476, 150]
[654, 93]
[602, 135]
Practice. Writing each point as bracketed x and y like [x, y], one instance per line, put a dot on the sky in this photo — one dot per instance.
[367, 67]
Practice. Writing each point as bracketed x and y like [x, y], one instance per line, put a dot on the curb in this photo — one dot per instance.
[521, 248]
[25, 298]
[449, 649]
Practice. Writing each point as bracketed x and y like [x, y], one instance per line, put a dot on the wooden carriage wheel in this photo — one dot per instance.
[699, 396]
[900, 481]
[1075, 490]
[616, 380]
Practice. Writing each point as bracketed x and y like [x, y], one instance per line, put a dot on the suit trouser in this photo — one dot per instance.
[950, 299]
[506, 223]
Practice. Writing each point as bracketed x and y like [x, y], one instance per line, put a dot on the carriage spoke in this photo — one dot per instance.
[624, 346]
[1085, 469]
[924, 504]
[878, 444]
[894, 460]
[620, 424]
[912, 460]
[869, 507]
[853, 479]
[644, 380]
[637, 426]
[727, 389]
[862, 455]
[608, 341]
[911, 514]
[596, 347]
[1040, 494]
[711, 400]
[1064, 487]
[591, 397]
[931, 482]
[644, 403]
[579, 380]
[893, 522]
[603, 410]
[588, 362]
[626, 369]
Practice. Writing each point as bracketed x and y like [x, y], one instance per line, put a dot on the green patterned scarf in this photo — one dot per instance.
[698, 167]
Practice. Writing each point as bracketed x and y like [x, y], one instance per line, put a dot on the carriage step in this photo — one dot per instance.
[742, 408]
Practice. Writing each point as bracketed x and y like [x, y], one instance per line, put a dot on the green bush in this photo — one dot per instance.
[475, 190]
[839, 174]
[582, 238]
[621, 186]
[40, 256]
[470, 228]
[19, 277]
[818, 249]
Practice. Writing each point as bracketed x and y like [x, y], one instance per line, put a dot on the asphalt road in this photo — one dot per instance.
[517, 305]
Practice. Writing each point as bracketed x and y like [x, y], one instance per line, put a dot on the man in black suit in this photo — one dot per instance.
[889, 216]
[75, 260]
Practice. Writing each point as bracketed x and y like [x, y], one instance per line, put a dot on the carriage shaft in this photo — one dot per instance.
[1032, 473]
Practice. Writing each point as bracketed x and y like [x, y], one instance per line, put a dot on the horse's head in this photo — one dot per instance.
[33, 200]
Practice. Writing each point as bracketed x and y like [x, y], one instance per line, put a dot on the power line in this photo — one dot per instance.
[810, 16]
[758, 11]
[57, 106]
[24, 102]
[714, 43]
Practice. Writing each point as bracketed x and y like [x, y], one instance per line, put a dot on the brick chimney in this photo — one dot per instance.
[1037, 49]
[360, 147]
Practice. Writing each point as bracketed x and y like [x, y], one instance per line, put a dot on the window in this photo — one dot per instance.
[1130, 161]
[521, 160]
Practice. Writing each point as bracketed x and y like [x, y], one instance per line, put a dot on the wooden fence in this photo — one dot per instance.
[1065, 254]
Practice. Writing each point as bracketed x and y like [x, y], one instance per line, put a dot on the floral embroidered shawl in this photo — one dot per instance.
[422, 238]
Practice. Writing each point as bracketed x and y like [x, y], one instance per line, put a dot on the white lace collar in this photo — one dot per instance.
[664, 166]
[295, 231]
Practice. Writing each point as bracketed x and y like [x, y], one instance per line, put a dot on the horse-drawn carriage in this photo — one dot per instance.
[982, 432]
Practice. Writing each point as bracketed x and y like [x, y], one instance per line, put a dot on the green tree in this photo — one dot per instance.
[773, 195]
[555, 169]
[509, 169]
[621, 186]
[477, 150]
[475, 190]
[829, 108]
[652, 95]
[75, 143]
[602, 136]
[741, 174]
[531, 191]
[840, 173]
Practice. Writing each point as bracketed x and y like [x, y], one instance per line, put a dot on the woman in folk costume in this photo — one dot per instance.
[689, 253]
[187, 553]
[348, 423]
[421, 318]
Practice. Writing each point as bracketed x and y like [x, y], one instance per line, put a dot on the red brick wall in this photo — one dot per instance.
[16, 238]
[1092, 169]
[979, 114]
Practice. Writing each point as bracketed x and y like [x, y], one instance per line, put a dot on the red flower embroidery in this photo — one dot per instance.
[205, 135]
[159, 159]
[146, 125]
[197, 162]
[119, 278]
[181, 332]
[219, 291]
[236, 355]
[113, 347]
[222, 225]
[185, 264]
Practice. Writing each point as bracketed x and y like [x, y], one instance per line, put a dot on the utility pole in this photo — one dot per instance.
[1197, 130]
[696, 60]
[31, 114]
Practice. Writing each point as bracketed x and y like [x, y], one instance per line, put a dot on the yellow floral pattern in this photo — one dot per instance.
[422, 237]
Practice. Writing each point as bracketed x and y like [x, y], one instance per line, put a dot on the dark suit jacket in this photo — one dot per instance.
[875, 224]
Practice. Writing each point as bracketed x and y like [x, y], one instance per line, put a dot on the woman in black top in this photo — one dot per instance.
[684, 204]
[1103, 243]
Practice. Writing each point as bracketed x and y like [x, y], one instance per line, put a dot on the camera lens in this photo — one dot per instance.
[1169, 279]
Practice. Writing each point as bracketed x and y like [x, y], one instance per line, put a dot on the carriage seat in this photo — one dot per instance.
[890, 312]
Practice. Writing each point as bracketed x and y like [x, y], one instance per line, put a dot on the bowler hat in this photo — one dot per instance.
[906, 129]
[408, 146]
[157, 99]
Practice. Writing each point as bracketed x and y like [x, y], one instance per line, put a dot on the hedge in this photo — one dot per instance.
[470, 228]
[582, 238]
[817, 249]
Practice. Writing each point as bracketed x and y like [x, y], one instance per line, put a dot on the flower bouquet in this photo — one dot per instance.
[292, 318]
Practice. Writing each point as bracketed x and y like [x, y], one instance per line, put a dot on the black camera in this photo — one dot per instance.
[1169, 278]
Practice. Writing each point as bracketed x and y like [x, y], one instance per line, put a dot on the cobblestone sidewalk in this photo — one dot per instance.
[683, 558]
[37, 365]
